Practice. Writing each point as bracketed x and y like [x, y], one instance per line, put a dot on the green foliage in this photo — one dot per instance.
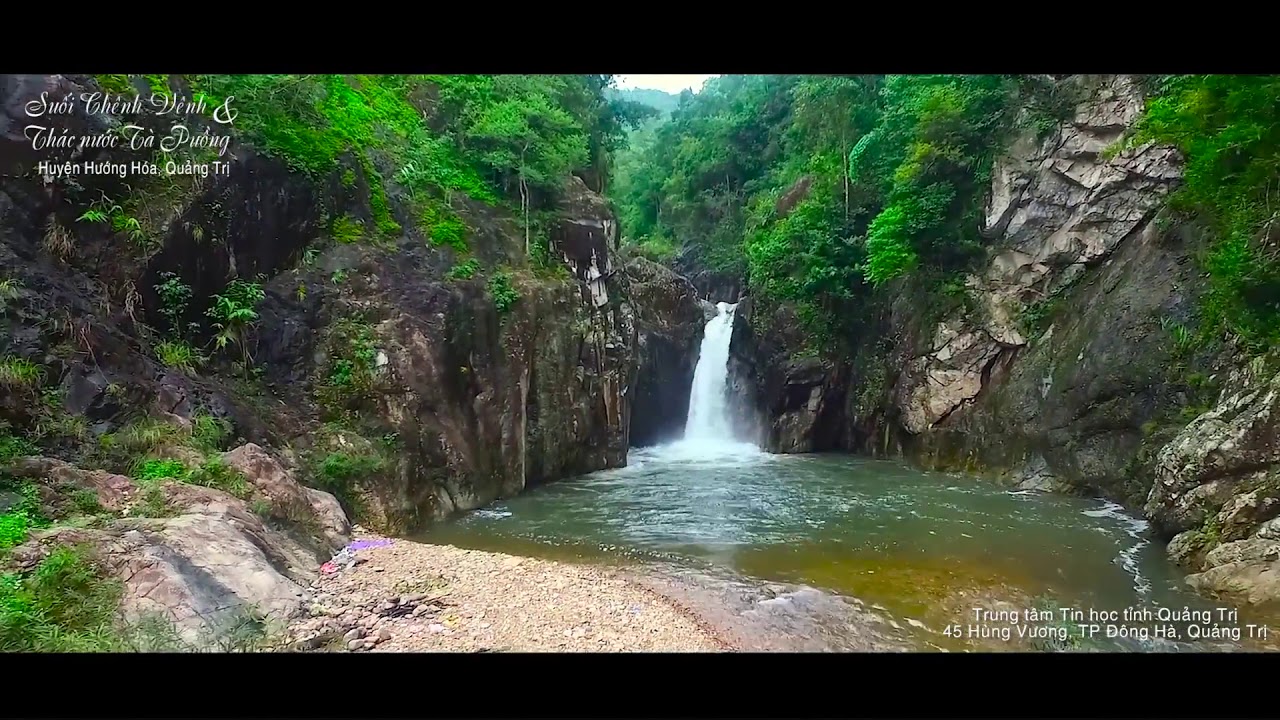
[114, 83]
[154, 469]
[929, 159]
[1035, 317]
[347, 229]
[174, 296]
[66, 604]
[341, 472]
[86, 502]
[180, 355]
[212, 473]
[501, 290]
[1228, 127]
[657, 248]
[209, 433]
[357, 364]
[442, 226]
[1184, 342]
[353, 353]
[233, 312]
[119, 220]
[478, 136]
[464, 270]
[22, 516]
[216, 474]
[19, 373]
[9, 288]
[822, 188]
[126, 450]
[12, 446]
[13, 529]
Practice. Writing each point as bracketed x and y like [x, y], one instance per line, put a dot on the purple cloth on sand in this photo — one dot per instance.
[365, 544]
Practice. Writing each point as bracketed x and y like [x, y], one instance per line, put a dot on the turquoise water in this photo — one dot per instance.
[926, 548]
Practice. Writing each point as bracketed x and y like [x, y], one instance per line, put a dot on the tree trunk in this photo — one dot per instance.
[524, 207]
[524, 199]
[844, 163]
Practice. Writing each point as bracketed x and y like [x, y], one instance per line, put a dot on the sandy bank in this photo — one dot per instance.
[406, 596]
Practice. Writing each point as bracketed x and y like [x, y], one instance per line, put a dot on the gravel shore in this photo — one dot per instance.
[406, 596]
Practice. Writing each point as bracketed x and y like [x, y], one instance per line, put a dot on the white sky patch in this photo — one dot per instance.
[667, 83]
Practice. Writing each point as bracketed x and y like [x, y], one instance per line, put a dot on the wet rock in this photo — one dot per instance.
[1036, 476]
[669, 325]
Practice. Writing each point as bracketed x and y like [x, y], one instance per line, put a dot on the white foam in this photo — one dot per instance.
[1136, 528]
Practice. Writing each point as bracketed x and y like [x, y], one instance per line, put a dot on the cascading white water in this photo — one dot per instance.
[708, 433]
[708, 416]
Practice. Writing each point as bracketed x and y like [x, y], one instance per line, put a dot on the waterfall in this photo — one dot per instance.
[708, 412]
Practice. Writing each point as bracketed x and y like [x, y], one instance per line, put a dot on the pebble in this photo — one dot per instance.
[445, 598]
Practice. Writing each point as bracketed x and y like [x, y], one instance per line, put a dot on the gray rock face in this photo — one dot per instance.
[492, 403]
[1247, 570]
[669, 324]
[1056, 207]
[781, 401]
[1217, 485]
[1222, 451]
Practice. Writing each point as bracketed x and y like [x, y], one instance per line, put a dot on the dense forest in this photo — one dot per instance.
[823, 190]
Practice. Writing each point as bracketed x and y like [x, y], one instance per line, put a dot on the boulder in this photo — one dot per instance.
[1224, 451]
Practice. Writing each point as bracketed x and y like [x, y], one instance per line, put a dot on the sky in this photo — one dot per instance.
[667, 83]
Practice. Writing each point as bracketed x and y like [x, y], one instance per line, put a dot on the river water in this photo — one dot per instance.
[925, 552]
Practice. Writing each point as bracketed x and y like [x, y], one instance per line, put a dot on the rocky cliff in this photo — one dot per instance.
[1065, 364]
[469, 386]
[669, 324]
[152, 322]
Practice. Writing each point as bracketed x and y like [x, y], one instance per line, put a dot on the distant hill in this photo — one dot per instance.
[661, 101]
